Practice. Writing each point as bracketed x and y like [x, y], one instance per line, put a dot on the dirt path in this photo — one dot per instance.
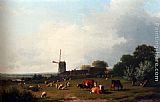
[69, 97]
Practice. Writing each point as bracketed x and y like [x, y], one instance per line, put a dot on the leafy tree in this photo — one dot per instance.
[100, 64]
[85, 67]
[118, 69]
[145, 71]
[128, 60]
[140, 65]
[129, 63]
[144, 53]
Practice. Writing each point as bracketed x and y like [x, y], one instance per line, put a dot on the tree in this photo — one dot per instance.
[144, 53]
[118, 69]
[145, 71]
[129, 63]
[100, 64]
[85, 67]
[128, 60]
[139, 66]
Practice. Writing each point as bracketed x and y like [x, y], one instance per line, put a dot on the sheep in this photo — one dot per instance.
[53, 82]
[50, 84]
[106, 78]
[34, 88]
[30, 86]
[44, 94]
[63, 88]
[68, 84]
[56, 85]
[60, 86]
[39, 87]
[46, 82]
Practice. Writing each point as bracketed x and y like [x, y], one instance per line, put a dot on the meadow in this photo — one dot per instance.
[128, 94]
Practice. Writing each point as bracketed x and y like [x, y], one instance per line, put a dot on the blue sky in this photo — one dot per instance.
[86, 30]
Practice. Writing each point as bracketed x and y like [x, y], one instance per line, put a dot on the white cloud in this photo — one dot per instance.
[35, 53]
[105, 36]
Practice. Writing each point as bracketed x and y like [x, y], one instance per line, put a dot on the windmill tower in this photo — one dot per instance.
[61, 64]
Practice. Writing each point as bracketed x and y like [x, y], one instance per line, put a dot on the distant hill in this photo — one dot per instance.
[27, 75]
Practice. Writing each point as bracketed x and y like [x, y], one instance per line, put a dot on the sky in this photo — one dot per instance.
[33, 31]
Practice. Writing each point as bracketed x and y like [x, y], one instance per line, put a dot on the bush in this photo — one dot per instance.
[14, 95]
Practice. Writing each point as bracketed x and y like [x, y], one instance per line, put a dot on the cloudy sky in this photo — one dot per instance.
[33, 31]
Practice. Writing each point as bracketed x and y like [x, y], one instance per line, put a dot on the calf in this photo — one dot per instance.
[116, 83]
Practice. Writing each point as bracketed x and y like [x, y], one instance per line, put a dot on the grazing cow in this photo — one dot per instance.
[44, 94]
[116, 83]
[88, 83]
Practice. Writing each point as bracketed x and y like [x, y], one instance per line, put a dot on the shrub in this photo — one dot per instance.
[14, 95]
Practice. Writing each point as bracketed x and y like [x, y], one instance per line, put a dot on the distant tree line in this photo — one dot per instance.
[96, 63]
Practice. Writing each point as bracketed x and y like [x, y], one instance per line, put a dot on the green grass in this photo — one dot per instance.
[129, 93]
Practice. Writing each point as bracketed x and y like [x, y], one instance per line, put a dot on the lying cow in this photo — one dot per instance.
[97, 90]
[116, 83]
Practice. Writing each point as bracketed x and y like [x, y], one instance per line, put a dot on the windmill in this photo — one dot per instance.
[61, 64]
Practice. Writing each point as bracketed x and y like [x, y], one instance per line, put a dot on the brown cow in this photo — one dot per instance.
[88, 83]
[116, 83]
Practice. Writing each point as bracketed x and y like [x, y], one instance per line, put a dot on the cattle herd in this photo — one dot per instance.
[86, 84]
[99, 89]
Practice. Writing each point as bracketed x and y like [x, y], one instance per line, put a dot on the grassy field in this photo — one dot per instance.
[129, 93]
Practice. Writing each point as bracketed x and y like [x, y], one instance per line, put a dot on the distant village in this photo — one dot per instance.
[91, 71]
